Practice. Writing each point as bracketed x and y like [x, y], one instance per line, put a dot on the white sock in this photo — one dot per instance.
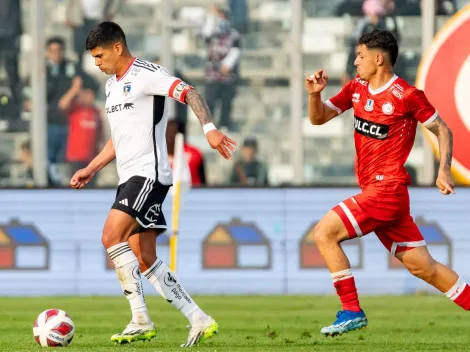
[456, 290]
[341, 275]
[128, 273]
[167, 285]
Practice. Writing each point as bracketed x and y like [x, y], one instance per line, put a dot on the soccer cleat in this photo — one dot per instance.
[346, 321]
[201, 331]
[135, 332]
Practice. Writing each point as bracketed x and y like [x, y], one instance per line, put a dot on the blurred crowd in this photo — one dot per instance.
[76, 124]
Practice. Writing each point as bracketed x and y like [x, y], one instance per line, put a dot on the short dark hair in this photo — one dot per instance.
[383, 40]
[105, 33]
[251, 142]
[56, 40]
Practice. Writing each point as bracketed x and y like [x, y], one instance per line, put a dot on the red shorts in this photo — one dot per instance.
[385, 212]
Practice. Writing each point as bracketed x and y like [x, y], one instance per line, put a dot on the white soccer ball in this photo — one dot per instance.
[53, 328]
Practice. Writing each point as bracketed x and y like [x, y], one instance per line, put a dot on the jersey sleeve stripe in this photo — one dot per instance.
[333, 106]
[144, 67]
[431, 119]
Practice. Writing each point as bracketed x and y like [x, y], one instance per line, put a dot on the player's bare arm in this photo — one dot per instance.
[318, 112]
[83, 176]
[217, 140]
[445, 140]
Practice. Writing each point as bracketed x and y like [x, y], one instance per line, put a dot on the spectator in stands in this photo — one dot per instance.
[83, 15]
[26, 159]
[240, 16]
[222, 66]
[62, 77]
[249, 171]
[85, 124]
[181, 109]
[413, 7]
[378, 14]
[194, 156]
[10, 34]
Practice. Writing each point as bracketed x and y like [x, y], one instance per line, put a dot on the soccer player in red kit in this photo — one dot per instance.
[386, 112]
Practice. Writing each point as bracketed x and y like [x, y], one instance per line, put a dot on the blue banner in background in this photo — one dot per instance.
[243, 241]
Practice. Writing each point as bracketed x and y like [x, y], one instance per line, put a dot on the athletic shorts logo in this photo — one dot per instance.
[371, 129]
[153, 213]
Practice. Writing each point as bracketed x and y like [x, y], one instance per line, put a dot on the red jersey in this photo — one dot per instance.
[385, 123]
[195, 161]
[84, 132]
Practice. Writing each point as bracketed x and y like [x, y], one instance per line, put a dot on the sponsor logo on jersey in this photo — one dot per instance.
[388, 108]
[369, 105]
[398, 93]
[135, 71]
[356, 98]
[371, 129]
[127, 89]
[119, 107]
[361, 81]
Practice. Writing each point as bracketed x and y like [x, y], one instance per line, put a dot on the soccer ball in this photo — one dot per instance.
[53, 328]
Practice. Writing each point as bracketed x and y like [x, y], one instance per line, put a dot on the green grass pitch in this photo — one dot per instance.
[262, 323]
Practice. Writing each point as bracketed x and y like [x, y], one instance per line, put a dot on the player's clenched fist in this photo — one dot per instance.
[444, 183]
[316, 82]
[81, 178]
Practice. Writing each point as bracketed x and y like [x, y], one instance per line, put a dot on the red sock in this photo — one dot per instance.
[460, 294]
[346, 290]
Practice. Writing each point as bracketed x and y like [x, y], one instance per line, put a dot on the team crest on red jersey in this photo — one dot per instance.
[388, 108]
[369, 105]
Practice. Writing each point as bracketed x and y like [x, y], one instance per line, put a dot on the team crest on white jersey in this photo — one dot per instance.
[369, 105]
[388, 108]
[356, 97]
[127, 89]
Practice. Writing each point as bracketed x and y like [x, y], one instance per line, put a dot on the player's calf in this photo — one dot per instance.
[421, 264]
[118, 227]
[167, 284]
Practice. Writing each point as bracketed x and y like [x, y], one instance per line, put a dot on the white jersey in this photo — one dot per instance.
[137, 115]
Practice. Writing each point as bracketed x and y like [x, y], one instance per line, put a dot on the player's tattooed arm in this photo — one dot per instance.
[199, 106]
[445, 139]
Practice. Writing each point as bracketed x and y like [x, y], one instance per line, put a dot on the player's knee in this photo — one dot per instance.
[107, 240]
[111, 238]
[322, 236]
[425, 271]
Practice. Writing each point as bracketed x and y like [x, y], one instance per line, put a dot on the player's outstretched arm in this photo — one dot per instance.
[83, 176]
[217, 140]
[318, 112]
[445, 140]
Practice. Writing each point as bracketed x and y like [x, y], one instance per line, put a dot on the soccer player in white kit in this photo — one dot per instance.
[136, 111]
